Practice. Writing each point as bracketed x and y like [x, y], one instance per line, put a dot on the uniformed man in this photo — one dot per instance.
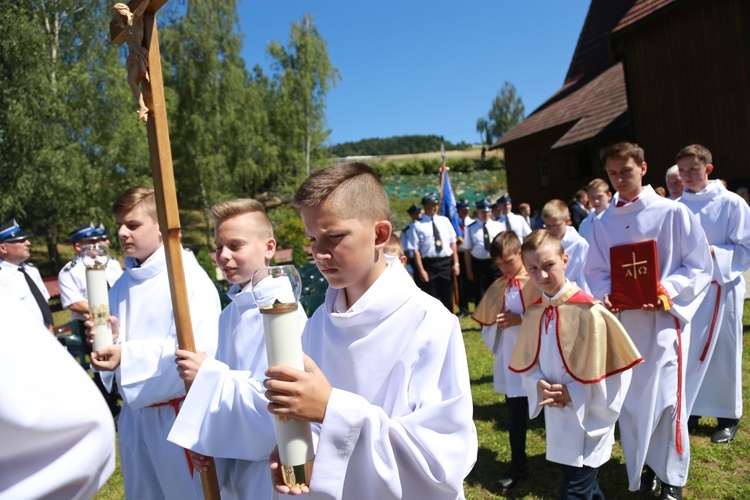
[480, 267]
[415, 212]
[21, 278]
[72, 277]
[433, 242]
[512, 222]
[74, 293]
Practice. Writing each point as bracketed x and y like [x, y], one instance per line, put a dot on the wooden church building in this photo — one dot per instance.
[661, 73]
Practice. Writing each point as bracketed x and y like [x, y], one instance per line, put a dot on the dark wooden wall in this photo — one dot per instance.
[687, 72]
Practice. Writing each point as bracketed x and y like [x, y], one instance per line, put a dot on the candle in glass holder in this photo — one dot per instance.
[276, 291]
[95, 258]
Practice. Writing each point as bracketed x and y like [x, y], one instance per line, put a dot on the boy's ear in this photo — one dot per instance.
[270, 248]
[709, 168]
[383, 231]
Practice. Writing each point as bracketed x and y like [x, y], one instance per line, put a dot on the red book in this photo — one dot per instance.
[635, 275]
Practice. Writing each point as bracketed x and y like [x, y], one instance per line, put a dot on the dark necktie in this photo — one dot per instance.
[43, 305]
[486, 238]
[507, 223]
[438, 241]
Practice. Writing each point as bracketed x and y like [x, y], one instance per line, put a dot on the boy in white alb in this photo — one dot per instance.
[575, 358]
[599, 198]
[500, 313]
[714, 367]
[224, 415]
[386, 377]
[653, 421]
[556, 216]
[142, 359]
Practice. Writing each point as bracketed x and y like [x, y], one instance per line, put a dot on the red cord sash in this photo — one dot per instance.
[175, 404]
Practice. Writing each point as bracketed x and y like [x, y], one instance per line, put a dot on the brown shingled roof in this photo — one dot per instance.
[640, 10]
[593, 95]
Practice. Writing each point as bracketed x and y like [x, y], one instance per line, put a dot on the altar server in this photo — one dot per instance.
[714, 367]
[142, 359]
[556, 216]
[386, 378]
[653, 421]
[224, 415]
[575, 358]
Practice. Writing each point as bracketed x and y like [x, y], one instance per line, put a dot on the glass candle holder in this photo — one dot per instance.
[95, 258]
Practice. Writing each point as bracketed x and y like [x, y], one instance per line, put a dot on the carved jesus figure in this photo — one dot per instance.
[137, 61]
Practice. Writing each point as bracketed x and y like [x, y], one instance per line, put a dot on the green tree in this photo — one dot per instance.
[304, 76]
[507, 110]
[219, 146]
[60, 101]
[483, 127]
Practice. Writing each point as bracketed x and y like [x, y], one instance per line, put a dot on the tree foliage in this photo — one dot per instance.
[507, 110]
[304, 75]
[69, 138]
[404, 144]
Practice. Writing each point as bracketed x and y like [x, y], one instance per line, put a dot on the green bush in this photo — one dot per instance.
[206, 262]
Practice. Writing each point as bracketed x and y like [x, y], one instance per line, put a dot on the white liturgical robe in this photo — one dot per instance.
[399, 420]
[57, 438]
[225, 413]
[653, 421]
[714, 377]
[577, 248]
[581, 433]
[147, 375]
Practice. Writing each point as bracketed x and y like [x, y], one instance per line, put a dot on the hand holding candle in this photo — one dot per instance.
[276, 291]
[95, 258]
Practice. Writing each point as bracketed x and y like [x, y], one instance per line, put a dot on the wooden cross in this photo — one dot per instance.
[164, 185]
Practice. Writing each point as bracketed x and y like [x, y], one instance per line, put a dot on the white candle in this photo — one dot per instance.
[284, 347]
[96, 285]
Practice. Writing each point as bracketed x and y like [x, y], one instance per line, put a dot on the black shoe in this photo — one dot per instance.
[693, 423]
[725, 434]
[649, 482]
[669, 492]
[505, 484]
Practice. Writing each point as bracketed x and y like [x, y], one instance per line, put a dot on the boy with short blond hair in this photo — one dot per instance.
[142, 359]
[500, 313]
[224, 415]
[394, 247]
[599, 198]
[653, 422]
[556, 216]
[386, 378]
[714, 365]
[575, 358]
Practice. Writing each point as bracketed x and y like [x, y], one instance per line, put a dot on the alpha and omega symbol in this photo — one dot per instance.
[636, 268]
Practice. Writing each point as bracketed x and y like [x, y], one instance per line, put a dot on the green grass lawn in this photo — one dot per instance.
[716, 471]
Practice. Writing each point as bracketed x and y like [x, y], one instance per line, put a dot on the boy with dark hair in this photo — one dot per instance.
[142, 359]
[224, 415]
[575, 358]
[386, 378]
[653, 422]
[714, 365]
[500, 313]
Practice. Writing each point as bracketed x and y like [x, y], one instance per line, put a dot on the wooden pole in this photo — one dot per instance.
[166, 198]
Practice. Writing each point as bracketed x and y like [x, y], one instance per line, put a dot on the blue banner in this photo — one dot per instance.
[448, 202]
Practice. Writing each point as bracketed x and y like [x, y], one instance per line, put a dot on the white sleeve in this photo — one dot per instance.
[225, 415]
[597, 406]
[424, 454]
[70, 292]
[733, 257]
[530, 378]
[57, 434]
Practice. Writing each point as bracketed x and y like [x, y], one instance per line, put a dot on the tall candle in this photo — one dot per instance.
[95, 259]
[284, 347]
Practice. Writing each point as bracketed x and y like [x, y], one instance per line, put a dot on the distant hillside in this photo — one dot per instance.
[404, 144]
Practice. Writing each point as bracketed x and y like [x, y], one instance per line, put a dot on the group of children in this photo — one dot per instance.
[386, 384]
[391, 413]
[578, 351]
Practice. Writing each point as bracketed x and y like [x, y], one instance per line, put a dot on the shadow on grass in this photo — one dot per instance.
[486, 379]
[498, 413]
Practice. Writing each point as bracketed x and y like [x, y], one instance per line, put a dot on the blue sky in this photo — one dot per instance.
[425, 67]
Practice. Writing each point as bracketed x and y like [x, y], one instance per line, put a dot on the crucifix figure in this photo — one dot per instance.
[137, 61]
[135, 24]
